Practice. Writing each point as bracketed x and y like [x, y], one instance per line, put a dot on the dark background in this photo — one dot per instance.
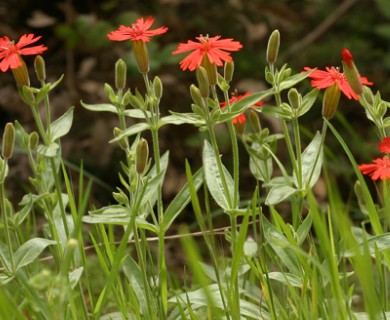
[313, 32]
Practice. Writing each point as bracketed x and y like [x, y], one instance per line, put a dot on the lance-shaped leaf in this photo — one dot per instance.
[30, 250]
[134, 129]
[311, 163]
[293, 80]
[279, 193]
[62, 125]
[214, 178]
[181, 118]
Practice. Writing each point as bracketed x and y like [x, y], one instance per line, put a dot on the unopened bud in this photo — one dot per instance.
[158, 87]
[255, 121]
[8, 140]
[273, 47]
[294, 98]
[368, 95]
[239, 126]
[330, 101]
[142, 156]
[33, 140]
[21, 75]
[203, 81]
[228, 71]
[196, 96]
[351, 72]
[120, 74]
[40, 68]
[123, 143]
[141, 55]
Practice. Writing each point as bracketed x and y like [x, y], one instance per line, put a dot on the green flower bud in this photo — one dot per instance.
[33, 140]
[273, 47]
[21, 75]
[40, 68]
[123, 143]
[120, 74]
[228, 71]
[142, 156]
[203, 82]
[368, 95]
[8, 140]
[294, 98]
[158, 87]
[211, 69]
[330, 101]
[196, 96]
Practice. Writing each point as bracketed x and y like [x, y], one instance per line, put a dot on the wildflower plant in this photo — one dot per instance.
[311, 265]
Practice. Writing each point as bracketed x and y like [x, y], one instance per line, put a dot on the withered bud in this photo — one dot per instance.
[255, 121]
[8, 140]
[142, 156]
[40, 68]
[273, 47]
[203, 81]
[330, 101]
[120, 74]
[228, 71]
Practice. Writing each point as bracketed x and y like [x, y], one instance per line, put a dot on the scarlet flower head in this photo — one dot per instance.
[380, 169]
[215, 50]
[347, 57]
[10, 53]
[241, 118]
[138, 31]
[321, 79]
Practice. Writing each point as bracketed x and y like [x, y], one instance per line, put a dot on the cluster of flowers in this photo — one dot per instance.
[208, 52]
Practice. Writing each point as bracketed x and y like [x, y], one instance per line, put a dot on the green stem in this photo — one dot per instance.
[5, 216]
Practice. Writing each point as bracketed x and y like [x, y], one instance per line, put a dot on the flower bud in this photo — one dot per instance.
[21, 75]
[158, 87]
[33, 140]
[196, 96]
[141, 56]
[294, 98]
[228, 71]
[368, 95]
[351, 72]
[120, 74]
[255, 121]
[123, 143]
[330, 101]
[40, 68]
[142, 156]
[239, 126]
[8, 140]
[273, 47]
[203, 82]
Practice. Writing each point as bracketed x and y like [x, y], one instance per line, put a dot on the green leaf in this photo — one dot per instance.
[279, 193]
[152, 186]
[250, 247]
[381, 242]
[214, 178]
[304, 229]
[307, 102]
[136, 113]
[4, 257]
[134, 129]
[293, 80]
[181, 118]
[74, 276]
[288, 279]
[181, 200]
[311, 163]
[100, 107]
[22, 214]
[114, 214]
[62, 125]
[48, 151]
[30, 250]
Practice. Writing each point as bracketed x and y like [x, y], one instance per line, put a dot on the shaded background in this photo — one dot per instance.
[313, 32]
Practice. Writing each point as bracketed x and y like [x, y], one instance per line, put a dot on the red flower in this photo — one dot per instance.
[347, 57]
[138, 31]
[241, 118]
[384, 146]
[379, 169]
[10, 52]
[324, 79]
[214, 49]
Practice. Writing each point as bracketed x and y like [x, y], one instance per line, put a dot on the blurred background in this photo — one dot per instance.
[313, 32]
